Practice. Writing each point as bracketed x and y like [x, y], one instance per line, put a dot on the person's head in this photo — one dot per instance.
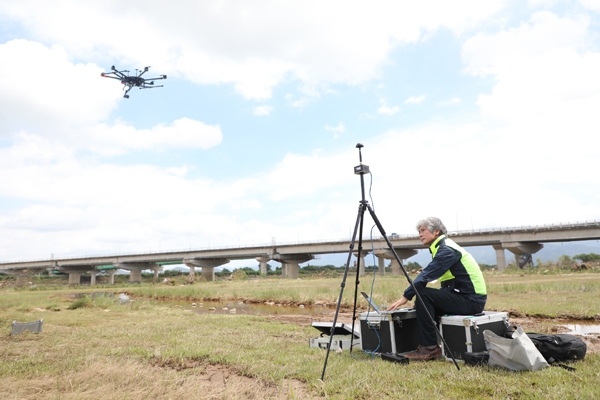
[430, 229]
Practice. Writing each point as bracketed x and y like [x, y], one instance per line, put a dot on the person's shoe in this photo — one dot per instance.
[425, 353]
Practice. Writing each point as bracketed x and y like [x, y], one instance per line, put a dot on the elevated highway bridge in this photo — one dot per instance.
[517, 240]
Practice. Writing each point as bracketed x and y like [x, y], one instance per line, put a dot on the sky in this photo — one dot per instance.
[483, 114]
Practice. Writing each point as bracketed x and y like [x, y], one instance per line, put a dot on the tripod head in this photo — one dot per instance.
[360, 169]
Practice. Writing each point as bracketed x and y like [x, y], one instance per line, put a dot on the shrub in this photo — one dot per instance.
[239, 274]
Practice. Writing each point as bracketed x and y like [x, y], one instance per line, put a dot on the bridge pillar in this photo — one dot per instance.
[518, 248]
[111, 274]
[157, 269]
[381, 266]
[207, 264]
[396, 270]
[22, 278]
[93, 276]
[74, 278]
[290, 263]
[292, 269]
[135, 269]
[135, 276]
[403, 254]
[500, 257]
[263, 264]
[361, 262]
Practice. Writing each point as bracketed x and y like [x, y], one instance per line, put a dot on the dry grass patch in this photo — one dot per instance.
[109, 379]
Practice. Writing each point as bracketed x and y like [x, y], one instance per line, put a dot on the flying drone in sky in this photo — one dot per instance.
[131, 81]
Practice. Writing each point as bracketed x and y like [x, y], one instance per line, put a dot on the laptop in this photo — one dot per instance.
[372, 303]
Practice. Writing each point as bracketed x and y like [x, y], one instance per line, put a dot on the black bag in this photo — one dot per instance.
[476, 358]
[560, 347]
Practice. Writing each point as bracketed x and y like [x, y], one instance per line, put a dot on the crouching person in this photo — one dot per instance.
[462, 289]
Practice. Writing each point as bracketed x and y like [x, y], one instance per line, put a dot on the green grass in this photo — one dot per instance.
[151, 349]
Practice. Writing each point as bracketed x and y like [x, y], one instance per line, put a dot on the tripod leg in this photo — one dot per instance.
[382, 231]
[357, 230]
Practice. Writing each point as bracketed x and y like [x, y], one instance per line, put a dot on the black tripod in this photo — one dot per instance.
[361, 170]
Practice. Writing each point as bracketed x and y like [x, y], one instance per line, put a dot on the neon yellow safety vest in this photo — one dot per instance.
[467, 262]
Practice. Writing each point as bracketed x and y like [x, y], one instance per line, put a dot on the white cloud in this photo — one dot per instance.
[591, 4]
[387, 110]
[494, 54]
[415, 99]
[541, 3]
[451, 102]
[298, 174]
[342, 43]
[42, 88]
[339, 128]
[547, 86]
[262, 111]
[121, 138]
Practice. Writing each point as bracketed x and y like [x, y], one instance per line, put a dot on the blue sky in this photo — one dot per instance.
[481, 113]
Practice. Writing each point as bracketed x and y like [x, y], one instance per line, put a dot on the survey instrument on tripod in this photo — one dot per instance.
[361, 170]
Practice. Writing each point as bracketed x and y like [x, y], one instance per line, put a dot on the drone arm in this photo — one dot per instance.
[143, 71]
[110, 75]
[115, 74]
[156, 79]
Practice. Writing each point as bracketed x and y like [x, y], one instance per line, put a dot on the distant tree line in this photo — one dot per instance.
[307, 270]
[587, 257]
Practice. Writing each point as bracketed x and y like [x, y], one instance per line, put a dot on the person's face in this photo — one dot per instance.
[427, 237]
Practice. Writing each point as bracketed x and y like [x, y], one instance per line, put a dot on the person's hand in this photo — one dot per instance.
[398, 303]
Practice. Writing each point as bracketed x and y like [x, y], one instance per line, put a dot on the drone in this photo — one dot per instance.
[133, 80]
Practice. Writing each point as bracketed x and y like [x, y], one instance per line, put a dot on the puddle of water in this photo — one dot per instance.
[232, 307]
[584, 329]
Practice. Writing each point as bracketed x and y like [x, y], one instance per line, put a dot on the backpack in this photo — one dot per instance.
[560, 347]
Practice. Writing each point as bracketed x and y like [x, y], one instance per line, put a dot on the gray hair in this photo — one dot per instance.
[432, 224]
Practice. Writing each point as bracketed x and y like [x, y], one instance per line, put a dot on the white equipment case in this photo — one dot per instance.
[342, 336]
[464, 333]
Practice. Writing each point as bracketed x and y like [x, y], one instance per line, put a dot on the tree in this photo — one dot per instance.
[587, 257]
[565, 261]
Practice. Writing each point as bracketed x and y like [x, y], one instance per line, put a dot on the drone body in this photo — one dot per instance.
[131, 81]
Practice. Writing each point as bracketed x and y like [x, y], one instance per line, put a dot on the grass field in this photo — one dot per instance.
[93, 347]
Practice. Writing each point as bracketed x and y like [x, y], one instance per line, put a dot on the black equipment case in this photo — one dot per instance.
[377, 331]
[464, 333]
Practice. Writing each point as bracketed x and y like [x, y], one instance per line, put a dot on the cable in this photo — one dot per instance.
[370, 187]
